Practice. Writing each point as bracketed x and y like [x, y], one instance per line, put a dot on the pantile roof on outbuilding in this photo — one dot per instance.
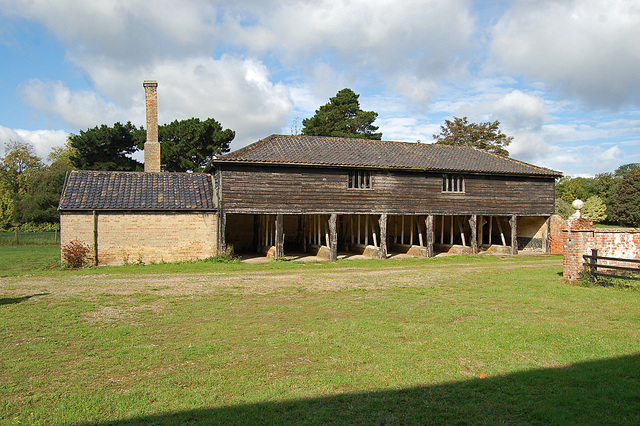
[366, 153]
[102, 190]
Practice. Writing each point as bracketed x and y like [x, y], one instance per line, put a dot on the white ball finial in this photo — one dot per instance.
[578, 205]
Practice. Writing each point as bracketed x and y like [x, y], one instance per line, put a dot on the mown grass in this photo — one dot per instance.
[352, 342]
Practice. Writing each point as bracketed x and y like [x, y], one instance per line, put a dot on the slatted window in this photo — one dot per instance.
[452, 183]
[359, 179]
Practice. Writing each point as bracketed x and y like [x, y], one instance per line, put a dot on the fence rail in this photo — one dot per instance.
[591, 261]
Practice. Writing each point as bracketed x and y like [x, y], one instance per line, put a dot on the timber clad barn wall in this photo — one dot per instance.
[276, 189]
[131, 237]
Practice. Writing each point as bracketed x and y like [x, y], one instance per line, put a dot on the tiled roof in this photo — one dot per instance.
[351, 152]
[97, 190]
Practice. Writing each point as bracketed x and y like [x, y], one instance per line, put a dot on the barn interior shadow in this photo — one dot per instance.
[596, 392]
[13, 300]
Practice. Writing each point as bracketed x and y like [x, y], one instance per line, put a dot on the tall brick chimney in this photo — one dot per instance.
[151, 146]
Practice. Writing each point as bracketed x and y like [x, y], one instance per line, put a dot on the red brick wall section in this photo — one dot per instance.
[557, 224]
[580, 237]
[144, 237]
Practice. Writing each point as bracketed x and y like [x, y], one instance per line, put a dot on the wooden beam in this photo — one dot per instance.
[382, 253]
[462, 237]
[442, 218]
[473, 223]
[333, 240]
[420, 239]
[514, 234]
[411, 227]
[402, 231]
[490, 228]
[430, 235]
[366, 230]
[395, 229]
[504, 241]
[279, 237]
[453, 218]
[481, 223]
[327, 240]
[359, 240]
[373, 232]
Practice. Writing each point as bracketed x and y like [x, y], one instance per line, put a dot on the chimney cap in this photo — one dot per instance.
[150, 83]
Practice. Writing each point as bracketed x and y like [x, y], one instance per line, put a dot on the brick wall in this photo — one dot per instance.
[144, 237]
[580, 237]
[557, 224]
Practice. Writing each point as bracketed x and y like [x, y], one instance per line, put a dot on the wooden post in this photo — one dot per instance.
[411, 227]
[366, 230]
[490, 228]
[593, 262]
[373, 232]
[395, 229]
[333, 240]
[279, 237]
[359, 229]
[473, 223]
[326, 232]
[462, 237]
[504, 242]
[420, 239]
[352, 234]
[514, 234]
[383, 236]
[442, 229]
[430, 235]
[481, 223]
[453, 219]
[402, 231]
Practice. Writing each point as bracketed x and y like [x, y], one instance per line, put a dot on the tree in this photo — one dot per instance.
[581, 188]
[486, 136]
[563, 208]
[107, 148]
[342, 117]
[188, 145]
[626, 209]
[17, 170]
[595, 209]
[626, 168]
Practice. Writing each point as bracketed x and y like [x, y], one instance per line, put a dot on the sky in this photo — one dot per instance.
[562, 77]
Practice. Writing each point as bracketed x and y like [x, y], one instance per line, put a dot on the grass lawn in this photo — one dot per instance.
[461, 339]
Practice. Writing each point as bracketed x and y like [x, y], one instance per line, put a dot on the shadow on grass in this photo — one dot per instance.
[13, 300]
[597, 392]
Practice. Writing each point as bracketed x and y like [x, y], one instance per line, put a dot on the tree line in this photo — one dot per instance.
[611, 198]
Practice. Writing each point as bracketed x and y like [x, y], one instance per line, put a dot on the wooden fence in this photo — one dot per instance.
[591, 261]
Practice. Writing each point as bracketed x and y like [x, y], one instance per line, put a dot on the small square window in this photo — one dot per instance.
[359, 179]
[452, 183]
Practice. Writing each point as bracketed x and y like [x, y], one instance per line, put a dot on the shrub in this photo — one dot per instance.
[75, 253]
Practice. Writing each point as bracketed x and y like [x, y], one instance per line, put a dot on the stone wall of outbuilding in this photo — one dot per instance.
[143, 237]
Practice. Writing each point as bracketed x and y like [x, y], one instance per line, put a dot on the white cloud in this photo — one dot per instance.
[585, 48]
[237, 93]
[42, 140]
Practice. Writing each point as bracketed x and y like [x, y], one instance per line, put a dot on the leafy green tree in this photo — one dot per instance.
[18, 168]
[487, 136]
[40, 204]
[342, 117]
[626, 168]
[626, 208]
[595, 209]
[188, 145]
[107, 148]
[605, 186]
[580, 188]
[563, 208]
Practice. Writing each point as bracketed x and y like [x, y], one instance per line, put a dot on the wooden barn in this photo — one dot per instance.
[322, 195]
